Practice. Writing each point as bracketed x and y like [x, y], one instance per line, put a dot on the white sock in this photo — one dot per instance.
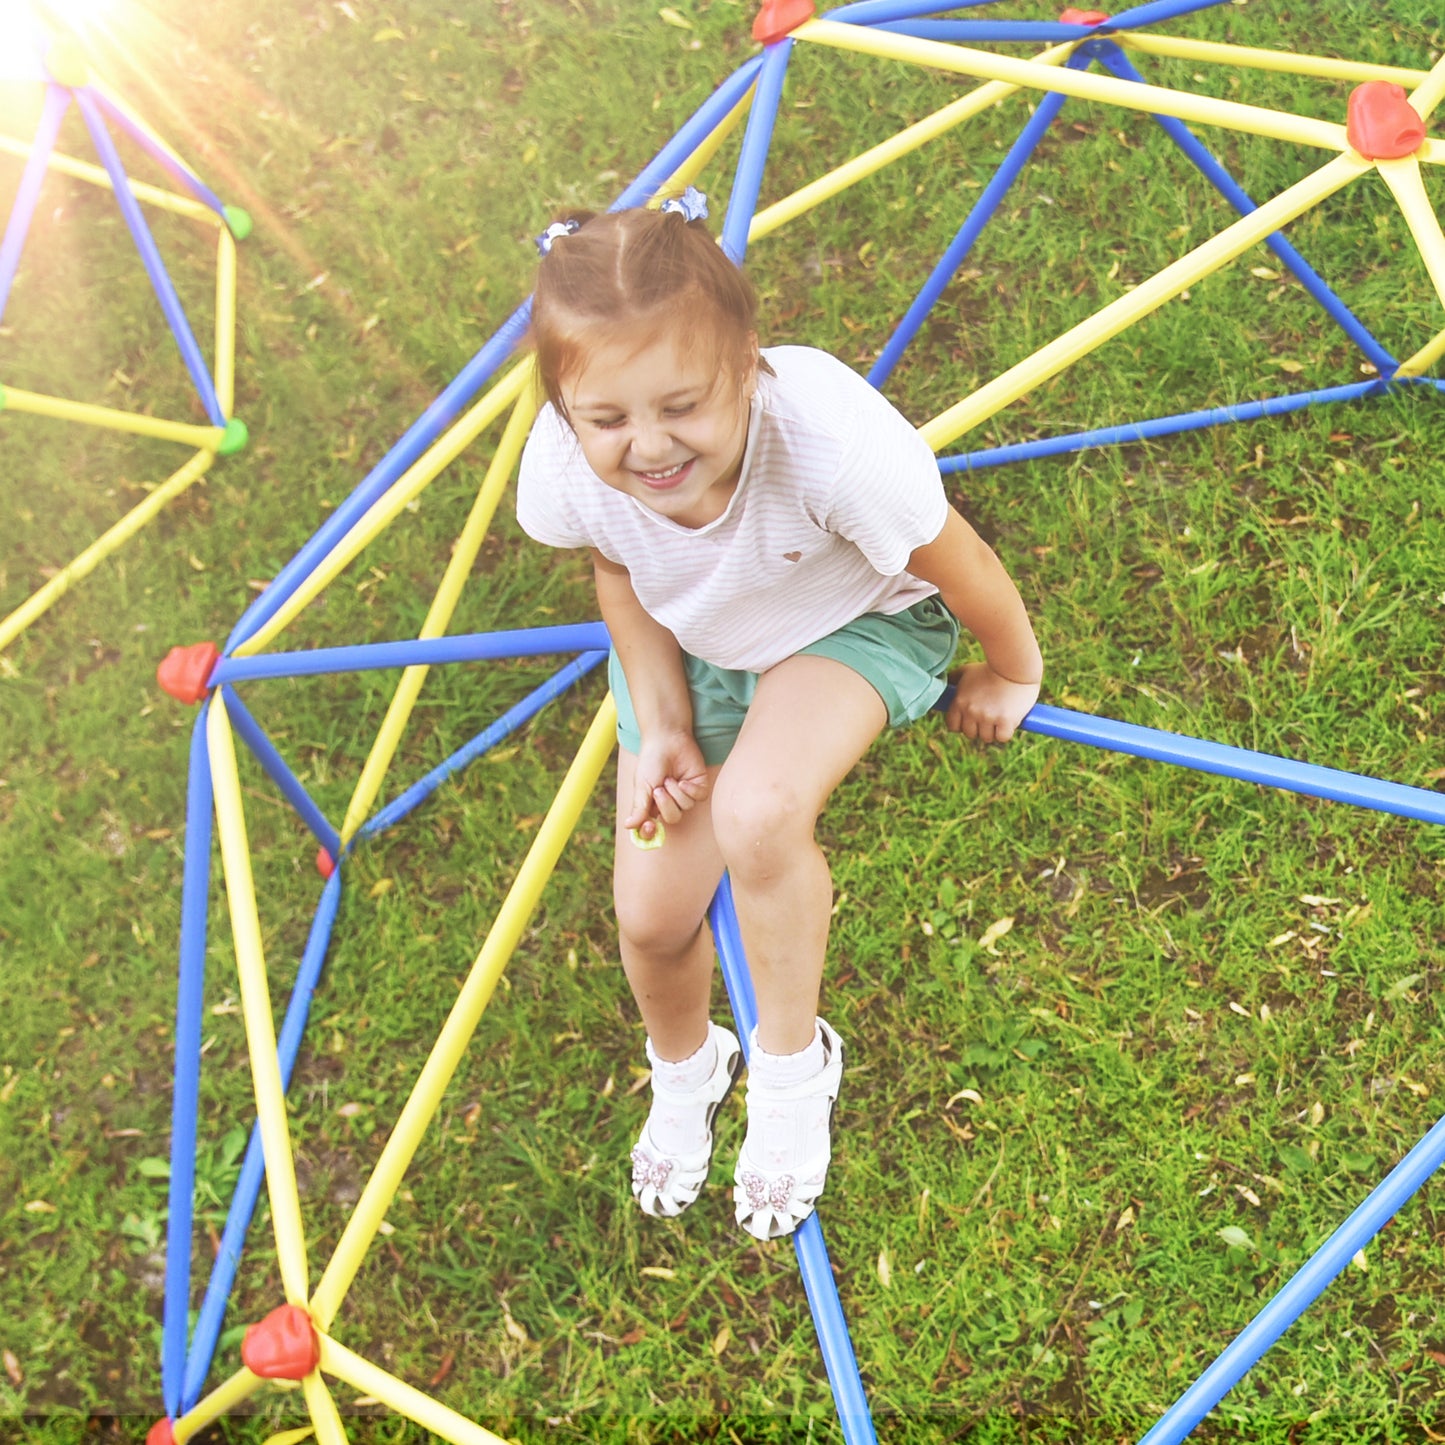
[784, 1135]
[681, 1129]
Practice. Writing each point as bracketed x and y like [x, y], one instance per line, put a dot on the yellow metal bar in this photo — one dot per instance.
[221, 1401]
[380, 515]
[688, 172]
[1423, 359]
[1430, 91]
[96, 176]
[322, 1408]
[439, 615]
[1178, 47]
[909, 139]
[1144, 298]
[405, 1399]
[1406, 185]
[256, 1006]
[1086, 85]
[461, 1023]
[46, 597]
[225, 321]
[37, 404]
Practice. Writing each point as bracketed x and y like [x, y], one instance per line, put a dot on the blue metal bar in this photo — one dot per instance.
[1156, 11]
[253, 1167]
[881, 12]
[1157, 427]
[160, 155]
[470, 379]
[1310, 779]
[1303, 1288]
[488, 738]
[269, 757]
[22, 209]
[1118, 62]
[753, 158]
[185, 1100]
[849, 1399]
[986, 31]
[977, 218]
[151, 258]
[467, 647]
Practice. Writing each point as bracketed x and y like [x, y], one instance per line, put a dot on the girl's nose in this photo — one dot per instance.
[651, 443]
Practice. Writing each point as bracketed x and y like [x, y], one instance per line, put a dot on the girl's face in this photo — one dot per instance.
[663, 427]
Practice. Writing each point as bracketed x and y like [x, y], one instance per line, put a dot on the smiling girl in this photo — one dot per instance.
[783, 577]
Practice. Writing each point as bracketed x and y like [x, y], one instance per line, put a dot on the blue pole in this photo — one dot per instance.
[190, 990]
[1115, 60]
[978, 217]
[467, 647]
[849, 1398]
[1156, 11]
[160, 155]
[1156, 427]
[1303, 1288]
[881, 12]
[485, 740]
[151, 258]
[22, 209]
[253, 1168]
[985, 31]
[748, 179]
[266, 753]
[1273, 772]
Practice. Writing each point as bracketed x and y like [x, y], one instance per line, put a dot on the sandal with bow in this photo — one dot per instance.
[772, 1196]
[665, 1184]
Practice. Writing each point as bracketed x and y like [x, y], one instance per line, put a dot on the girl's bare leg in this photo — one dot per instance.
[810, 721]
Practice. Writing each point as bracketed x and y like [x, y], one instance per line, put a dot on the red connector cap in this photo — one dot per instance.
[779, 18]
[325, 863]
[161, 1433]
[1071, 16]
[1381, 124]
[283, 1346]
[186, 671]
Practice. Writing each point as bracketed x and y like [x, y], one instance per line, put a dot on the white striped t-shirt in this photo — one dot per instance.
[837, 489]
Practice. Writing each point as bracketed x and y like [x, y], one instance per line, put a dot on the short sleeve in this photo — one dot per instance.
[546, 509]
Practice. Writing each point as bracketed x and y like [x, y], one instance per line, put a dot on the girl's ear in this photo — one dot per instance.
[750, 375]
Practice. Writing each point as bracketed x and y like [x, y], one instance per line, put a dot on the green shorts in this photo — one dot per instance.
[904, 657]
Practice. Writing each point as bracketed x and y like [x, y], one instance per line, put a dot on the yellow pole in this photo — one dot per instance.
[405, 1399]
[221, 1401]
[380, 515]
[36, 404]
[461, 1023]
[1429, 93]
[909, 139]
[12, 626]
[226, 321]
[1406, 184]
[1178, 47]
[439, 615]
[322, 1409]
[96, 176]
[256, 1007]
[1144, 298]
[1086, 85]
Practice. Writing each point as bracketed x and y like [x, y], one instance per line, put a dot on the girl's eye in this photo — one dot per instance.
[610, 424]
[682, 410]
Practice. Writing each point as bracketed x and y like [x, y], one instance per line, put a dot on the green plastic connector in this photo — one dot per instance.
[238, 222]
[233, 438]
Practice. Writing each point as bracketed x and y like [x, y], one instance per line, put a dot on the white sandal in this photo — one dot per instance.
[665, 1184]
[771, 1203]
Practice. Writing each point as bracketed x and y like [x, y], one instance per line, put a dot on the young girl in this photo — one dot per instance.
[783, 577]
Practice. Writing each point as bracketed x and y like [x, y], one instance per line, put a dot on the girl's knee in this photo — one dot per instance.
[759, 824]
[653, 925]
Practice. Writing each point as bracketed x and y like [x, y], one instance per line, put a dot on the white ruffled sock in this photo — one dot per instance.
[676, 1128]
[784, 1134]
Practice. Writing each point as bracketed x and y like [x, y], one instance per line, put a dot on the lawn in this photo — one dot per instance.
[1126, 1042]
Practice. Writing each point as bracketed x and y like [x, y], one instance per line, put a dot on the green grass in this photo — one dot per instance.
[1072, 1160]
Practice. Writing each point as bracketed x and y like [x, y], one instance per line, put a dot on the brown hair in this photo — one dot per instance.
[635, 273]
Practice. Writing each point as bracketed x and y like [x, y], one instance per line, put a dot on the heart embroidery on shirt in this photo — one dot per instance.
[792, 556]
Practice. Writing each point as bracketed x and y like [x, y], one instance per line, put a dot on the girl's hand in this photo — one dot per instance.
[988, 707]
[671, 779]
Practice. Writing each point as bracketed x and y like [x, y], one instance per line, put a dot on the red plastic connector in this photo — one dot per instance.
[1381, 124]
[161, 1433]
[779, 18]
[325, 863]
[186, 671]
[1072, 16]
[283, 1346]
